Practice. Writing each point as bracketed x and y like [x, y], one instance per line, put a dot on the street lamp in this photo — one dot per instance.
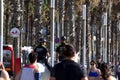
[1, 30]
[84, 45]
[105, 35]
[52, 30]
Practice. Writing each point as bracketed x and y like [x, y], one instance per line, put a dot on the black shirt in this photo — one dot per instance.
[42, 52]
[59, 50]
[99, 64]
[68, 70]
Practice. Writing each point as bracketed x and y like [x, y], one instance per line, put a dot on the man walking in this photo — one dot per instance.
[59, 49]
[68, 69]
[42, 50]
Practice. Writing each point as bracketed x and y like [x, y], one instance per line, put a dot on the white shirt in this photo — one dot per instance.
[40, 66]
[45, 73]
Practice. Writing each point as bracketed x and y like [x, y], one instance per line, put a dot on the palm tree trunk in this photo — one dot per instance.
[7, 29]
[61, 16]
[16, 23]
[37, 18]
[71, 22]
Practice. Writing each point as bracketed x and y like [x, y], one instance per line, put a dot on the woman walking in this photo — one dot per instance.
[94, 73]
[106, 74]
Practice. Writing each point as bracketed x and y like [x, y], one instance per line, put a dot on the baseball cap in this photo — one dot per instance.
[42, 40]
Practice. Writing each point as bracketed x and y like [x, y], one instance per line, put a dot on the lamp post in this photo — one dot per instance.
[1, 30]
[104, 30]
[105, 35]
[84, 40]
[52, 5]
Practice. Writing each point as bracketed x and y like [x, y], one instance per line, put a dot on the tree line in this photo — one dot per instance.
[32, 17]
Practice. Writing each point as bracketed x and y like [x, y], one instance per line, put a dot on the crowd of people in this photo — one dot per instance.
[65, 69]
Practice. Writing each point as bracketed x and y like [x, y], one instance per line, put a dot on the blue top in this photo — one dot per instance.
[93, 74]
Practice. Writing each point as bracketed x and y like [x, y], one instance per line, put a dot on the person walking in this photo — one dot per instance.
[68, 69]
[47, 69]
[118, 71]
[99, 62]
[105, 72]
[59, 49]
[41, 49]
[29, 71]
[42, 59]
[94, 73]
[3, 73]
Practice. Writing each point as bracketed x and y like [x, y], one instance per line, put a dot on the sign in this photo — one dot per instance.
[15, 32]
[57, 40]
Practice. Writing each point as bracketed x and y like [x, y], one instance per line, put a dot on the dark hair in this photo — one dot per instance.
[32, 57]
[42, 40]
[93, 61]
[68, 51]
[105, 71]
[99, 57]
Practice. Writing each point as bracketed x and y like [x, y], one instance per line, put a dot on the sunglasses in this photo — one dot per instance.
[92, 64]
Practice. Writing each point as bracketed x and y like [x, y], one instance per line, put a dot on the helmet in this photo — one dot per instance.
[63, 38]
[42, 40]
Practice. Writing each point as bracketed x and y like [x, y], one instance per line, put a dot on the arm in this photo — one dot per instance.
[85, 78]
[57, 56]
[57, 53]
[48, 55]
[99, 72]
[5, 75]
